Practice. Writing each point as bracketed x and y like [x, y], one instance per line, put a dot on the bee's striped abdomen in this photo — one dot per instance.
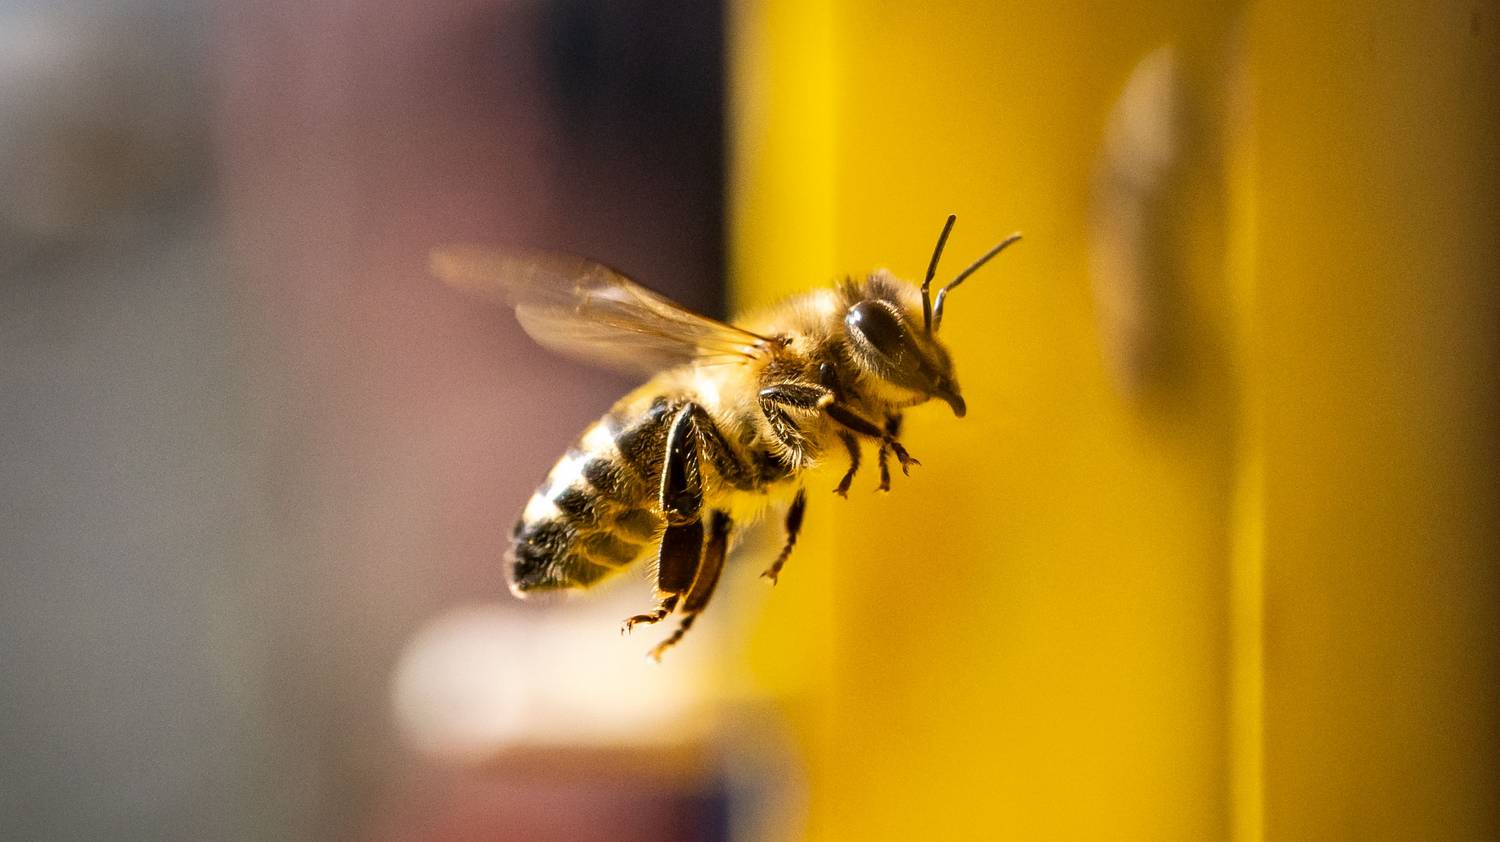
[596, 512]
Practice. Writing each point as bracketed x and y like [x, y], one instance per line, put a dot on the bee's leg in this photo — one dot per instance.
[703, 583]
[883, 458]
[892, 429]
[681, 495]
[654, 616]
[778, 402]
[859, 425]
[717, 452]
[829, 377]
[681, 499]
[852, 445]
[676, 564]
[793, 528]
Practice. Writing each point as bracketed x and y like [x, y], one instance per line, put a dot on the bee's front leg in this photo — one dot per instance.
[777, 403]
[851, 444]
[848, 418]
[892, 429]
[828, 376]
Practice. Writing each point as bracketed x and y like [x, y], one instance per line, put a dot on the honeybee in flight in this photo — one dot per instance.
[732, 416]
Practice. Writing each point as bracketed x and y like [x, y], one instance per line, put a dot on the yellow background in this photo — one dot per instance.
[1256, 602]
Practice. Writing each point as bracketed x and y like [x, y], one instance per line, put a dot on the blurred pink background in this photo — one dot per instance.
[252, 449]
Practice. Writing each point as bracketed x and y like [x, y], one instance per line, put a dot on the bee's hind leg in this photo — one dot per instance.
[707, 578]
[681, 500]
[687, 569]
[793, 527]
[677, 564]
[655, 616]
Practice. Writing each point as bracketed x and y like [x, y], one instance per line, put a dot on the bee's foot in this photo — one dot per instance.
[843, 487]
[647, 619]
[771, 574]
[658, 649]
[906, 459]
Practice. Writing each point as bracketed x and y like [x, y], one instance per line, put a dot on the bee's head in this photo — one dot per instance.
[898, 345]
[890, 345]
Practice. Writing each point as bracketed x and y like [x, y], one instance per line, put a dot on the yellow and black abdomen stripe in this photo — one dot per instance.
[596, 511]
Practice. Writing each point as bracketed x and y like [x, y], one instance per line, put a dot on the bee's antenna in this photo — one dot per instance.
[932, 270]
[937, 310]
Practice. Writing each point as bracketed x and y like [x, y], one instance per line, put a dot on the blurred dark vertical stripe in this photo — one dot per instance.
[638, 93]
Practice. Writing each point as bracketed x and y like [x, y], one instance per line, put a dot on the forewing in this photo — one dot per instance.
[592, 312]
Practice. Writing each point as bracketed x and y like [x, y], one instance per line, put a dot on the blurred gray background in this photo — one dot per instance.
[247, 444]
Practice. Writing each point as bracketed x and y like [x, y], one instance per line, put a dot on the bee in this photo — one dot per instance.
[728, 424]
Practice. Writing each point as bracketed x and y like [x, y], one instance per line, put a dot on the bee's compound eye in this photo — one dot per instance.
[875, 325]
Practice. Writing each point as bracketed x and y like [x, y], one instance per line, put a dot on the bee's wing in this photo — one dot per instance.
[590, 311]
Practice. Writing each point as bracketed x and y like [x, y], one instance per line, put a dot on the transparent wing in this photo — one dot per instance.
[589, 311]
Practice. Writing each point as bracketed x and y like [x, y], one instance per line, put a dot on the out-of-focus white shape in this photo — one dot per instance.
[458, 686]
[1132, 238]
[478, 680]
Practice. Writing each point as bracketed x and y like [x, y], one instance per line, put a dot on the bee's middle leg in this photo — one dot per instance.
[793, 529]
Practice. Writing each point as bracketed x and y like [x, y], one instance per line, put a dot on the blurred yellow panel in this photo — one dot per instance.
[1249, 595]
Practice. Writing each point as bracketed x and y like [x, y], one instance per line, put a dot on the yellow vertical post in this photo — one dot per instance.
[782, 188]
[1246, 593]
